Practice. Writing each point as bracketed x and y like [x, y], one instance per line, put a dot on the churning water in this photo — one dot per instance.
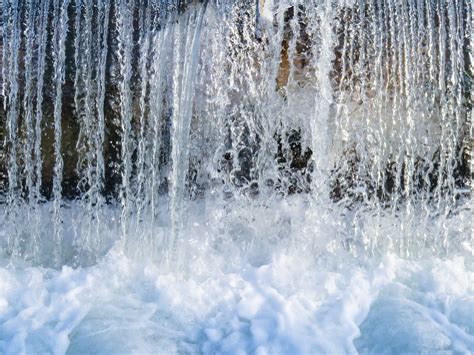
[281, 176]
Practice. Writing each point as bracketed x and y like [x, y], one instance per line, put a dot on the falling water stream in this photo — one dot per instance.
[165, 129]
[129, 106]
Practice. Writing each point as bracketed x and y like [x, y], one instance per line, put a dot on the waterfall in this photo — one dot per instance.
[117, 116]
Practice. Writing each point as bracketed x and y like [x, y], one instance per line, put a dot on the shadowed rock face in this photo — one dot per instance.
[292, 154]
[301, 57]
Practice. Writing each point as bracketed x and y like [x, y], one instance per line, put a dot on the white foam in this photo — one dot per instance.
[121, 305]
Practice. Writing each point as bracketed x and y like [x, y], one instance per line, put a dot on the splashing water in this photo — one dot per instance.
[212, 137]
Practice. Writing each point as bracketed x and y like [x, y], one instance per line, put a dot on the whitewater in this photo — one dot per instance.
[122, 307]
[276, 283]
[236, 177]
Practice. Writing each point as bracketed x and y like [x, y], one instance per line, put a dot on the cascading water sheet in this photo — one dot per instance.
[200, 150]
